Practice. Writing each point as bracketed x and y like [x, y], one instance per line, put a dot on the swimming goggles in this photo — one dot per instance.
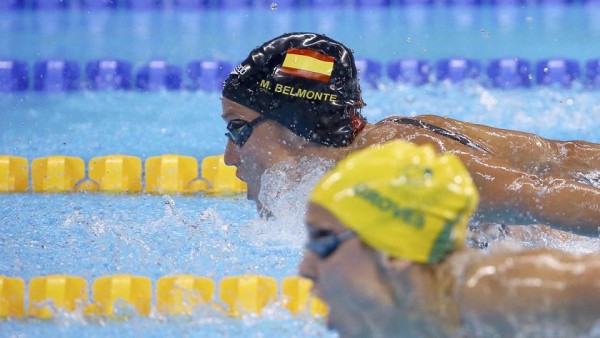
[240, 130]
[324, 246]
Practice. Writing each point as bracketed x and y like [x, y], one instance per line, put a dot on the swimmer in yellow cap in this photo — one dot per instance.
[386, 251]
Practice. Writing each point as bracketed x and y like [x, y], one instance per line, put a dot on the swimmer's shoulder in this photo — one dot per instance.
[429, 118]
[434, 120]
[393, 128]
[379, 132]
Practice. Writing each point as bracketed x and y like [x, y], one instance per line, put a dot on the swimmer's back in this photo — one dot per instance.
[528, 152]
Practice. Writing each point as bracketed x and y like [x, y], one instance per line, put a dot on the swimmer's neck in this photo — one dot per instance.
[426, 289]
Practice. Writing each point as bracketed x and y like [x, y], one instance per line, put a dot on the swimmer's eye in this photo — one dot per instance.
[323, 243]
[320, 234]
[315, 232]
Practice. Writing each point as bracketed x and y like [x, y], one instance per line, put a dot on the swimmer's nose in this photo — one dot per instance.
[232, 154]
[307, 267]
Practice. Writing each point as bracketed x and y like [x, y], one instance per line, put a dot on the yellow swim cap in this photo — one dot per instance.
[401, 199]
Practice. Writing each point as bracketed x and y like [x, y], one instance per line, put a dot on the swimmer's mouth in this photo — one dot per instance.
[330, 324]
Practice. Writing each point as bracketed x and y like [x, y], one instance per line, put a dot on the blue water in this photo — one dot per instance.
[92, 235]
[382, 34]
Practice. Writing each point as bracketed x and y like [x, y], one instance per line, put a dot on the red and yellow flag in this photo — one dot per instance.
[308, 64]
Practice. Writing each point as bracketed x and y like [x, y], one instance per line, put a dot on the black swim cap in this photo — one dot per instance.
[306, 82]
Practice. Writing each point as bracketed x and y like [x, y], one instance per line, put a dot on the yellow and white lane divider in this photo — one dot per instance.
[165, 174]
[175, 295]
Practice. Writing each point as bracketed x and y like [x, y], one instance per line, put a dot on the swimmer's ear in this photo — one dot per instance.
[296, 141]
[393, 264]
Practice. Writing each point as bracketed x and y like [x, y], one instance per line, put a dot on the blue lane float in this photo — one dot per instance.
[143, 4]
[190, 4]
[369, 71]
[14, 76]
[235, 4]
[457, 70]
[108, 74]
[12, 4]
[464, 2]
[369, 3]
[509, 73]
[208, 75]
[415, 2]
[159, 75]
[329, 3]
[592, 71]
[99, 3]
[56, 75]
[279, 4]
[409, 71]
[50, 4]
[559, 72]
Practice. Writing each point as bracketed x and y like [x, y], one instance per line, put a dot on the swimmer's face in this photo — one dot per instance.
[349, 280]
[261, 151]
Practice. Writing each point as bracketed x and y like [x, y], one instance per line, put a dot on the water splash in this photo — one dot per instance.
[590, 178]
[285, 189]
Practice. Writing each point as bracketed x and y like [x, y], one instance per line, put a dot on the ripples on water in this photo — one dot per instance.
[91, 235]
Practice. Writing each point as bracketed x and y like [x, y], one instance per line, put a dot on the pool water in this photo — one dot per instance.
[92, 235]
[384, 34]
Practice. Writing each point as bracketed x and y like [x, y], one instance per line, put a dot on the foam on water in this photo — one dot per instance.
[96, 235]
[567, 114]
[92, 235]
[284, 193]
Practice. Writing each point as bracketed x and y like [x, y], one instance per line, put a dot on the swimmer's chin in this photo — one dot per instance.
[262, 211]
[330, 324]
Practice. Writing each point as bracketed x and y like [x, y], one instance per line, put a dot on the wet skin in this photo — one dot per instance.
[269, 144]
[262, 150]
[511, 187]
[345, 279]
[505, 291]
[523, 179]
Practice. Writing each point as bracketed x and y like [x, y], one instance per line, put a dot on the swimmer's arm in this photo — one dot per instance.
[529, 232]
[548, 284]
[577, 156]
[512, 196]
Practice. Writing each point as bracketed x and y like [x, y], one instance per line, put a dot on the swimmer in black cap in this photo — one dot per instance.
[305, 82]
[298, 96]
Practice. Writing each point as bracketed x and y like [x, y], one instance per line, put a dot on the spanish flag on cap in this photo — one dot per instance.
[308, 64]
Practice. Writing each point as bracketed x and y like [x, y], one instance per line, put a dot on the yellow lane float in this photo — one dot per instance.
[180, 294]
[111, 293]
[57, 173]
[297, 298]
[12, 294]
[116, 173]
[168, 174]
[221, 177]
[247, 293]
[48, 294]
[14, 174]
